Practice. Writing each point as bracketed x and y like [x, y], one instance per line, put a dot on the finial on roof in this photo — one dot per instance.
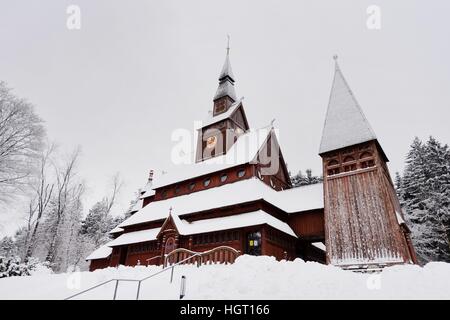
[228, 44]
[150, 176]
[335, 58]
[170, 210]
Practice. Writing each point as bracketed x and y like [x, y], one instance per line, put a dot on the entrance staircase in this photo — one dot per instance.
[180, 256]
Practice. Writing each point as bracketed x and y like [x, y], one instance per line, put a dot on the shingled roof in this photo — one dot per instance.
[345, 123]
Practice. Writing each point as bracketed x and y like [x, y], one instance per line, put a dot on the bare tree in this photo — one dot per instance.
[117, 185]
[42, 193]
[21, 135]
[66, 196]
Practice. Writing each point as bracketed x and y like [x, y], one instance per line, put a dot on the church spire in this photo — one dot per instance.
[345, 123]
[226, 79]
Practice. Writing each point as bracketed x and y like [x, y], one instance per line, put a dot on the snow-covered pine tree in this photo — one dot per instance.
[97, 223]
[7, 246]
[424, 195]
[302, 180]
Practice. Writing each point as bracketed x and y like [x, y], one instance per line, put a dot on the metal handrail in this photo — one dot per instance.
[165, 268]
[134, 280]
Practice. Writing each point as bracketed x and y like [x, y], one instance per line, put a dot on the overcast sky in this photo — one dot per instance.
[137, 70]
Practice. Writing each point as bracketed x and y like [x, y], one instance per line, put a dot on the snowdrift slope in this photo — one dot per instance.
[248, 278]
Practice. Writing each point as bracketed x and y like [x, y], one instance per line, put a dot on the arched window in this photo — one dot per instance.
[367, 164]
[241, 173]
[349, 159]
[191, 186]
[164, 194]
[272, 184]
[333, 163]
[365, 155]
[259, 175]
[368, 160]
[177, 190]
[206, 182]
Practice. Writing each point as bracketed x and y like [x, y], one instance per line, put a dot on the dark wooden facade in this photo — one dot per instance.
[361, 208]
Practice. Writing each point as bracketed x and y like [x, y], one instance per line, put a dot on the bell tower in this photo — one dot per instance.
[227, 121]
[363, 219]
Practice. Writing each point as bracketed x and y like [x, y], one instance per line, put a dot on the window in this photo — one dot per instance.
[367, 164]
[272, 184]
[177, 190]
[223, 177]
[241, 173]
[367, 160]
[349, 159]
[260, 175]
[365, 155]
[191, 186]
[333, 163]
[164, 194]
[332, 172]
[206, 182]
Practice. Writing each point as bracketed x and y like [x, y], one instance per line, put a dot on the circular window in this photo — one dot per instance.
[191, 186]
[223, 177]
[207, 182]
[241, 173]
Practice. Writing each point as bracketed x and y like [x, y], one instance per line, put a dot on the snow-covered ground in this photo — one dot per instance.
[248, 278]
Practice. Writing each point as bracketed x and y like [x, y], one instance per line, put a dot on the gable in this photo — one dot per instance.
[271, 161]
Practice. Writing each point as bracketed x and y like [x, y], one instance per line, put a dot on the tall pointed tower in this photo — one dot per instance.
[227, 121]
[363, 218]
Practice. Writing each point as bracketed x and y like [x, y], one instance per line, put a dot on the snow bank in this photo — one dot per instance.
[248, 278]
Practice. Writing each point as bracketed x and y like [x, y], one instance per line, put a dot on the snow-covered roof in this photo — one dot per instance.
[292, 200]
[226, 84]
[232, 222]
[244, 150]
[135, 237]
[137, 206]
[116, 230]
[299, 199]
[345, 123]
[226, 88]
[100, 253]
[226, 69]
[319, 245]
[214, 119]
[147, 191]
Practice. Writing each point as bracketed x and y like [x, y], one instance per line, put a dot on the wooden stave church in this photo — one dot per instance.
[352, 220]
